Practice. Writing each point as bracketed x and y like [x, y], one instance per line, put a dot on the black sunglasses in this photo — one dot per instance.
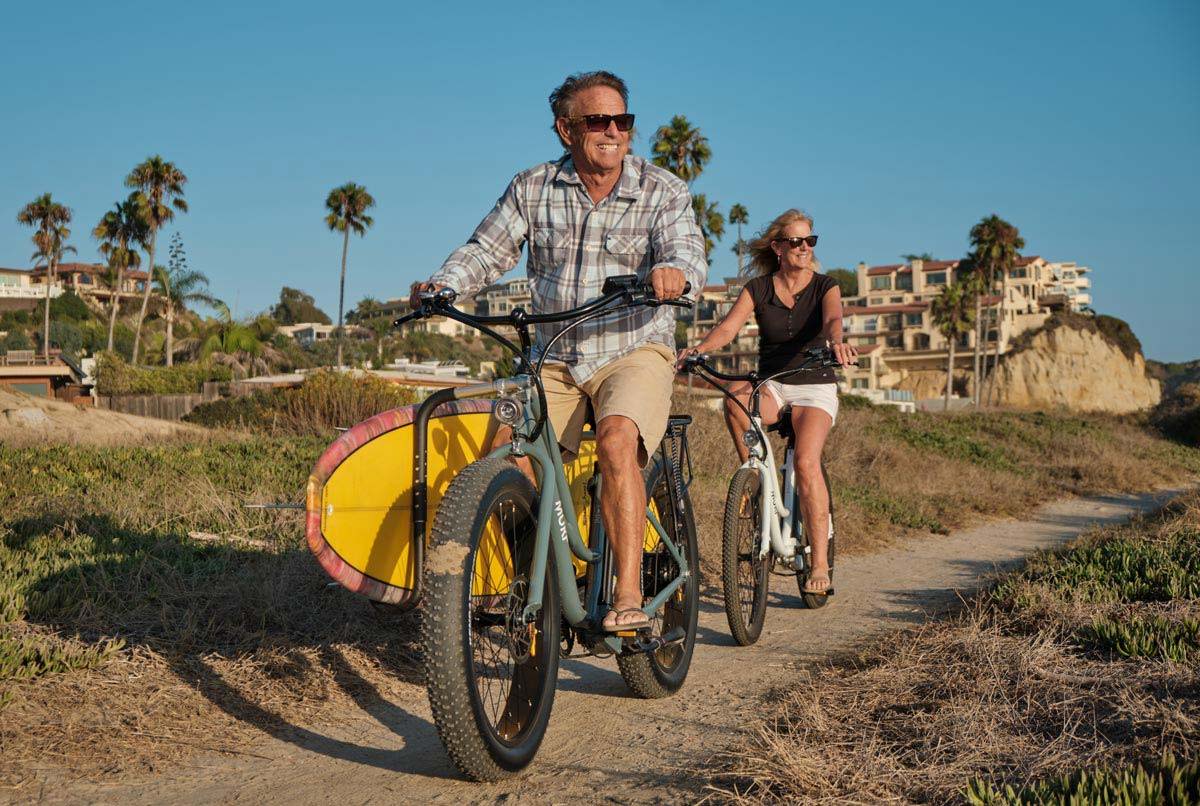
[599, 123]
[811, 240]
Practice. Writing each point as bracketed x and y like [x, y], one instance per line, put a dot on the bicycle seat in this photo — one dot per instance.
[783, 426]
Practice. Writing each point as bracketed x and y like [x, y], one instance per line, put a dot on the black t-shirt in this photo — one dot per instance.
[784, 333]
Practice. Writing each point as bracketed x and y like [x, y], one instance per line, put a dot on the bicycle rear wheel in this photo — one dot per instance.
[745, 576]
[662, 672]
[814, 600]
[490, 676]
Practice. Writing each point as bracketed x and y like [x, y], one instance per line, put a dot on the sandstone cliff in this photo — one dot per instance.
[1071, 362]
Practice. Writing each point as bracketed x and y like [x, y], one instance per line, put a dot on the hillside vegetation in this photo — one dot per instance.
[1071, 681]
[145, 614]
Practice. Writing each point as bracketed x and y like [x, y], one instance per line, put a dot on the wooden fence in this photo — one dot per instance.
[163, 407]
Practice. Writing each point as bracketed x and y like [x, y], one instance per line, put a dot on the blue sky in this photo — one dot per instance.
[897, 126]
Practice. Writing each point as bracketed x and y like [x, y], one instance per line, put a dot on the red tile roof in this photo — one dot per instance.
[939, 265]
[863, 349]
[888, 269]
[911, 307]
[89, 268]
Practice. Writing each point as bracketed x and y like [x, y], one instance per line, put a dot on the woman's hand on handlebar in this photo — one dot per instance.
[668, 283]
[684, 355]
[846, 354]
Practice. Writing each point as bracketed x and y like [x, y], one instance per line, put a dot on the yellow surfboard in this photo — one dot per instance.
[359, 498]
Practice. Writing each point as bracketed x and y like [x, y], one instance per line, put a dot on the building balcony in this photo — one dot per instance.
[29, 291]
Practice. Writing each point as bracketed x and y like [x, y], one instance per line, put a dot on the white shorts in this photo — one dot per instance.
[821, 396]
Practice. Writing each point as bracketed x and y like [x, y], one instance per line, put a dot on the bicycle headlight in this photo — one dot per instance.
[508, 411]
[750, 438]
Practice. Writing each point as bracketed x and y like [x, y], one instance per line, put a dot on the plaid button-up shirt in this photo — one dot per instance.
[647, 222]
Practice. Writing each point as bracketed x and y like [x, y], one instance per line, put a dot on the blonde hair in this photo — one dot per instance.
[763, 259]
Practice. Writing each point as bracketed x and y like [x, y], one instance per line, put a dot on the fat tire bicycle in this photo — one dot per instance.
[762, 527]
[502, 599]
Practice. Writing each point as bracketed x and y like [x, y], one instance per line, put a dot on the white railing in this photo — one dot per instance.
[28, 291]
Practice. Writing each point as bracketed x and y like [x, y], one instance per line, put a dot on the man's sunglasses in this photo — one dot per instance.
[811, 240]
[599, 123]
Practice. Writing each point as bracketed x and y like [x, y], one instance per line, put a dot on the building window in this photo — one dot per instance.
[892, 321]
[896, 299]
[904, 282]
[883, 283]
[921, 341]
[1018, 274]
[895, 342]
[860, 383]
[871, 325]
[913, 319]
[935, 278]
[875, 301]
[864, 362]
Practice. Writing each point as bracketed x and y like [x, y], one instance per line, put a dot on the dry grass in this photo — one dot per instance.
[229, 637]
[1011, 692]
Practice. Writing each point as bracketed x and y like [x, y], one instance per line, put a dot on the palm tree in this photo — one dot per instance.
[347, 206]
[119, 232]
[51, 219]
[712, 223]
[739, 216]
[681, 149]
[178, 287]
[952, 316]
[161, 185]
[996, 243]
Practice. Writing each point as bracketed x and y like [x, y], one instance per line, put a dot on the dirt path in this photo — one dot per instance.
[602, 745]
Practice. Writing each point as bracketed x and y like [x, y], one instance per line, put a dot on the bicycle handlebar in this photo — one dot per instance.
[816, 358]
[625, 286]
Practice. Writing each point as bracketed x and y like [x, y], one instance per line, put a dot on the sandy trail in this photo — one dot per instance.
[603, 745]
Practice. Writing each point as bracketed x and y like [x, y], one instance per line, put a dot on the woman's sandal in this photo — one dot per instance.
[641, 624]
[828, 591]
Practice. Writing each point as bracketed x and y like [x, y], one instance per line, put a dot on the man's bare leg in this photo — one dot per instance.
[623, 509]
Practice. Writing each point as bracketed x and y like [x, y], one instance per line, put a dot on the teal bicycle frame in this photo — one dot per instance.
[556, 510]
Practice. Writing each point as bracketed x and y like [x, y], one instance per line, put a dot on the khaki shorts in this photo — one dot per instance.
[637, 386]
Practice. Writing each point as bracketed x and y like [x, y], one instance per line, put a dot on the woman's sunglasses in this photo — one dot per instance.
[599, 123]
[811, 240]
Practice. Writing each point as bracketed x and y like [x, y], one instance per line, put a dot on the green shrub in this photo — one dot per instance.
[326, 401]
[1168, 783]
[17, 340]
[115, 377]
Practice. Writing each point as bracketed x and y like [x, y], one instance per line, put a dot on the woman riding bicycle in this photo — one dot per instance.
[796, 308]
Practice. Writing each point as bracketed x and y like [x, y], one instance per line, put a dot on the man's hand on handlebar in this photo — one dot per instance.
[668, 283]
[419, 290]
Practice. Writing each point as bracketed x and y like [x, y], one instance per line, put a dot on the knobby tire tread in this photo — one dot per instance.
[443, 638]
[745, 633]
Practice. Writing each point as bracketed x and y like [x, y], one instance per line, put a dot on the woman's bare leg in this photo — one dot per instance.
[738, 423]
[812, 428]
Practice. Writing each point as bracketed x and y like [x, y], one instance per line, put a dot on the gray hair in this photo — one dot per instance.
[564, 93]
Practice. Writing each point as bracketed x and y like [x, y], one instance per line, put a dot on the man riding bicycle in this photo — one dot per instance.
[596, 212]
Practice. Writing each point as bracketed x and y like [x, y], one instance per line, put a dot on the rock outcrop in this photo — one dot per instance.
[1073, 365]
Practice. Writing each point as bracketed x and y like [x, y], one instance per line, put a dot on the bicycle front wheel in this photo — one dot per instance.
[490, 675]
[745, 576]
[661, 672]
